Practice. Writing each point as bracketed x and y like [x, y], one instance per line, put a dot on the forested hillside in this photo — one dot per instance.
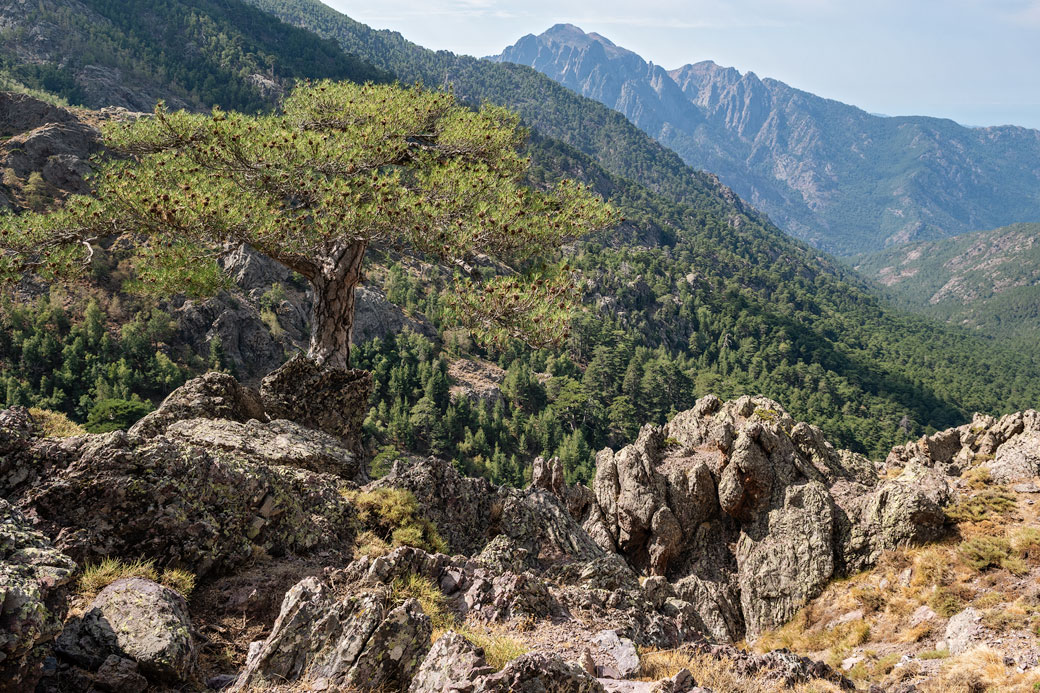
[694, 293]
[988, 281]
[826, 172]
[195, 54]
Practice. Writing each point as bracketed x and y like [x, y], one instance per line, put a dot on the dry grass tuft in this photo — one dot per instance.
[433, 602]
[98, 576]
[981, 670]
[716, 674]
[54, 424]
[389, 518]
[992, 503]
[500, 648]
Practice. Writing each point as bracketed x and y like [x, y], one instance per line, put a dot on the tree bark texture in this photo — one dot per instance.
[332, 316]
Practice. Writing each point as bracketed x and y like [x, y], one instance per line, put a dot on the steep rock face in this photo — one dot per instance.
[827, 172]
[748, 513]
[33, 576]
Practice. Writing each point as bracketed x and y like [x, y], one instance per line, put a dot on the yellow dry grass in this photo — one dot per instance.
[981, 670]
[716, 674]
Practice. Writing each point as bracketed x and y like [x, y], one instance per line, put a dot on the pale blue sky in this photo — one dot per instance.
[976, 61]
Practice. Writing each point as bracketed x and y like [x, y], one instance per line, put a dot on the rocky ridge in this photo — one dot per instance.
[718, 526]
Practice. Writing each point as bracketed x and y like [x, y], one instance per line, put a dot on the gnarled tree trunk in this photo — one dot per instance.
[332, 317]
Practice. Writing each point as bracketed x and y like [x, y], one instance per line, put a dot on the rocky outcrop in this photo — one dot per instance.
[1007, 448]
[453, 663]
[331, 400]
[781, 666]
[279, 442]
[236, 324]
[210, 396]
[534, 673]
[186, 505]
[748, 513]
[38, 137]
[21, 113]
[33, 577]
[137, 620]
[471, 512]
[359, 641]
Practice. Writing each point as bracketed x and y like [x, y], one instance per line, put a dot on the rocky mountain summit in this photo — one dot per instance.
[718, 527]
[829, 173]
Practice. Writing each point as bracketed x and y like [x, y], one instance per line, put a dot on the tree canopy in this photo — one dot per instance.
[340, 168]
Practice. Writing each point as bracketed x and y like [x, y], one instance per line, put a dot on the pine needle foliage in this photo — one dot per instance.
[341, 168]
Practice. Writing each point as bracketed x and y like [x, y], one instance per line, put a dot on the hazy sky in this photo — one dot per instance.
[976, 61]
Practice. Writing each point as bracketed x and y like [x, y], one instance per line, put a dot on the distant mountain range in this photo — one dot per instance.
[834, 175]
[988, 280]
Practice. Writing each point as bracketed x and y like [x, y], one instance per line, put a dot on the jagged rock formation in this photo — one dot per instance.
[747, 513]
[357, 641]
[1008, 448]
[473, 512]
[33, 576]
[206, 493]
[332, 400]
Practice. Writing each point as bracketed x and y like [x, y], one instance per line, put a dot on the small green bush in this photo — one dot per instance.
[985, 552]
[115, 415]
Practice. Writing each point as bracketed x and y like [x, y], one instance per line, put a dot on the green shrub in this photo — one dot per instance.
[985, 552]
[115, 415]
